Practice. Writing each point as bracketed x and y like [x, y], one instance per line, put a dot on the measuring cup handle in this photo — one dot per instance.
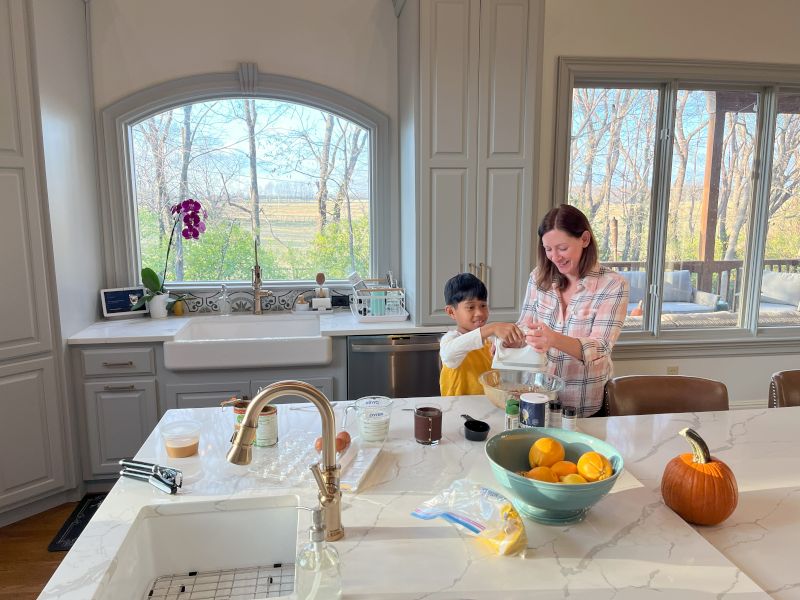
[346, 411]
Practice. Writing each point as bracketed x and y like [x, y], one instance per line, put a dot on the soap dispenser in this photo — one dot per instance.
[224, 302]
[317, 566]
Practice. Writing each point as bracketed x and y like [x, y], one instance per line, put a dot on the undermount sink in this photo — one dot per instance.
[169, 542]
[248, 341]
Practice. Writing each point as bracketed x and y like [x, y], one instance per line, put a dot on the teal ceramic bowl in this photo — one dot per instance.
[548, 503]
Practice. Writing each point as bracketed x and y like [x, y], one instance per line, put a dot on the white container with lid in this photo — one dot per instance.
[532, 409]
[181, 438]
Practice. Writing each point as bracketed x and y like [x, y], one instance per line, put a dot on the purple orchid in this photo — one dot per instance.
[189, 214]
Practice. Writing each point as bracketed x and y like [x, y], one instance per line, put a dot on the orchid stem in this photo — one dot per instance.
[169, 247]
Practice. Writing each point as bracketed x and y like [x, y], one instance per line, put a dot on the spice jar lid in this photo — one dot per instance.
[569, 411]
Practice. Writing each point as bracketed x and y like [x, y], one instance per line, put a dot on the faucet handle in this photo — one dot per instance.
[317, 473]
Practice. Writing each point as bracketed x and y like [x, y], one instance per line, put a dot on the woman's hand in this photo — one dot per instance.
[540, 337]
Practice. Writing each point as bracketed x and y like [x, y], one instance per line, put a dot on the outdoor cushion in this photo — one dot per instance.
[678, 286]
[636, 282]
[780, 288]
[685, 307]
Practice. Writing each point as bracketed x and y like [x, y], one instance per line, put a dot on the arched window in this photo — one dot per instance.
[295, 168]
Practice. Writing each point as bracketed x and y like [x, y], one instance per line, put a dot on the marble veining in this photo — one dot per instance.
[629, 546]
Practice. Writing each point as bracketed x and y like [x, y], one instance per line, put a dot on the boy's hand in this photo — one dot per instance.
[511, 335]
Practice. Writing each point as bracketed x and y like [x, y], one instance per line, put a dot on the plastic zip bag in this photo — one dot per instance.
[488, 515]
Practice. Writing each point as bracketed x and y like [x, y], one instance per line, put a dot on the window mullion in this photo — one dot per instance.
[662, 165]
[759, 211]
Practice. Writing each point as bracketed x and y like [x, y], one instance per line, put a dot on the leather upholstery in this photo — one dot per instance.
[654, 394]
[784, 389]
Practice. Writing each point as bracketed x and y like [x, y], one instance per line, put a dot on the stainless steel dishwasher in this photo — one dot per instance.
[398, 366]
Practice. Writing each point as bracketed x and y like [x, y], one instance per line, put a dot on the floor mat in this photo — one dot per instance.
[75, 523]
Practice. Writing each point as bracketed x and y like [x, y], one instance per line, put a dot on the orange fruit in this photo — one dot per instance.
[542, 474]
[594, 466]
[573, 478]
[545, 452]
[564, 467]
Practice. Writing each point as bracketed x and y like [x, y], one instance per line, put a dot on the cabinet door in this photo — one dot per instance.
[447, 146]
[25, 300]
[505, 163]
[203, 395]
[31, 429]
[120, 414]
[323, 384]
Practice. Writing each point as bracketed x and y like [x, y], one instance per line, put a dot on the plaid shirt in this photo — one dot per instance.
[594, 316]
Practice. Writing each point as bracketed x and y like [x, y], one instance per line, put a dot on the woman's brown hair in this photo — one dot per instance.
[573, 222]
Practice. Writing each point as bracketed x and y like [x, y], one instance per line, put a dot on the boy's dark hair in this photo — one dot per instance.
[464, 286]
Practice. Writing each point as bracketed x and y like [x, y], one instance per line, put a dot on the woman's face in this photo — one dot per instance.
[565, 251]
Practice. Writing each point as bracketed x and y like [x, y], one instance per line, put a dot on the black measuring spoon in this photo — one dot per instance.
[474, 430]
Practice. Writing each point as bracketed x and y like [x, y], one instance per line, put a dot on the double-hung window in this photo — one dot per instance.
[690, 177]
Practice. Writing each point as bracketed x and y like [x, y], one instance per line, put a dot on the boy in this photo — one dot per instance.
[466, 352]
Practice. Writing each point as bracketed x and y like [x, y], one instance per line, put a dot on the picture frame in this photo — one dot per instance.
[117, 302]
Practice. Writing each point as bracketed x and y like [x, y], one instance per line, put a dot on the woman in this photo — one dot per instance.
[574, 308]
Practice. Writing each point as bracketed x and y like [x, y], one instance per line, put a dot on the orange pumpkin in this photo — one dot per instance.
[700, 488]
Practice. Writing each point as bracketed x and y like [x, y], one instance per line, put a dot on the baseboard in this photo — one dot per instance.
[37, 506]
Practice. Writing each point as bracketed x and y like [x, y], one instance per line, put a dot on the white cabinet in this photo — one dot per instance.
[467, 99]
[120, 413]
[120, 404]
[204, 394]
[33, 448]
[32, 462]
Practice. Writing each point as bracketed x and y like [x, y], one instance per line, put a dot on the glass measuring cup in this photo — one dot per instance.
[373, 414]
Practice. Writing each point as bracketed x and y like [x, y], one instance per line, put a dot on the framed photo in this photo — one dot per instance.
[117, 302]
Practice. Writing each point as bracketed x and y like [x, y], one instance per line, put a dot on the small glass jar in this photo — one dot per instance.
[569, 418]
[554, 414]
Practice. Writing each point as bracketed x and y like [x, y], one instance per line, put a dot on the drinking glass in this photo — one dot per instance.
[427, 423]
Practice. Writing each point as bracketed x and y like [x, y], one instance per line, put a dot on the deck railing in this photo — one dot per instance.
[722, 277]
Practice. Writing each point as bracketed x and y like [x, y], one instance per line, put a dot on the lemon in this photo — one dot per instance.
[573, 478]
[564, 467]
[542, 474]
[545, 452]
[594, 466]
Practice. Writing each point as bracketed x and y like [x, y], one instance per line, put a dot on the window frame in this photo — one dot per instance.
[668, 76]
[117, 198]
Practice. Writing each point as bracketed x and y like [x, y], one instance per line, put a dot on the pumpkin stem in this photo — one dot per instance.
[699, 447]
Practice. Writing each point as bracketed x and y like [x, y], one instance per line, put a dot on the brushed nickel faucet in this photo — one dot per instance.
[325, 473]
[258, 293]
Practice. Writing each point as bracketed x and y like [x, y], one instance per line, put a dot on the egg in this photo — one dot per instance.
[318, 444]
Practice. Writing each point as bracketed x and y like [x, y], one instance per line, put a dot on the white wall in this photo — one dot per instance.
[349, 45]
[65, 99]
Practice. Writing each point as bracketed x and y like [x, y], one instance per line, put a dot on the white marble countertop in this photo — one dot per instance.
[762, 447]
[145, 329]
[629, 546]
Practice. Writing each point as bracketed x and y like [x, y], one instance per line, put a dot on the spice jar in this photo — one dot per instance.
[512, 414]
[569, 418]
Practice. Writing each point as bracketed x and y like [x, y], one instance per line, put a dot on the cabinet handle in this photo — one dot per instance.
[119, 388]
[119, 365]
[472, 269]
[484, 269]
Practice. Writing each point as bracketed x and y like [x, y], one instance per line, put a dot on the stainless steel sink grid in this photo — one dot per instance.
[230, 584]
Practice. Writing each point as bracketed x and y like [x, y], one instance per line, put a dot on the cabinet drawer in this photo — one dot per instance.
[117, 361]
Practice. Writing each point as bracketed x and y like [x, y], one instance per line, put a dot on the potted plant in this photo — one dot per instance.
[189, 214]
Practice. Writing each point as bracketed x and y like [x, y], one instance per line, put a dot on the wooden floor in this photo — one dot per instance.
[25, 563]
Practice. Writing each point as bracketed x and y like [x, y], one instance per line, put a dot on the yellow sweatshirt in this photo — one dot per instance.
[464, 358]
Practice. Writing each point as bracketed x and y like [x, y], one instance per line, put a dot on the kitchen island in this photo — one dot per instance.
[629, 546]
